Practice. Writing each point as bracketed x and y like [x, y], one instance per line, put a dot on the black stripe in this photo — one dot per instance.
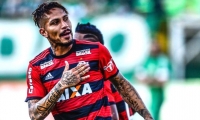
[57, 73]
[121, 106]
[103, 118]
[32, 98]
[113, 88]
[113, 75]
[83, 111]
[86, 46]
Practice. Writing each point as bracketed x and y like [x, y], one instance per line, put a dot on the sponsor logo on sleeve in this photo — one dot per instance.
[30, 90]
[109, 67]
[83, 52]
[46, 64]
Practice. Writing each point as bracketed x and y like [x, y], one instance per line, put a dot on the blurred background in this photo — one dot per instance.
[155, 44]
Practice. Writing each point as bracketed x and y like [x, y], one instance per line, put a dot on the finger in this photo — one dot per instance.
[84, 71]
[80, 69]
[84, 78]
[66, 66]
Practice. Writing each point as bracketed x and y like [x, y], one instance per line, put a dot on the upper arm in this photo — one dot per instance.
[120, 82]
[107, 64]
[117, 78]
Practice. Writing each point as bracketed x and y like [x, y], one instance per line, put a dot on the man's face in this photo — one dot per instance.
[86, 36]
[56, 27]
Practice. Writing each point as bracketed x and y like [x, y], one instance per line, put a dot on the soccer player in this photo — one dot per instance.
[92, 33]
[67, 78]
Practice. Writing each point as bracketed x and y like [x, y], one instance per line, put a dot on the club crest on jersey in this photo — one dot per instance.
[46, 64]
[83, 52]
[109, 67]
[82, 62]
[76, 91]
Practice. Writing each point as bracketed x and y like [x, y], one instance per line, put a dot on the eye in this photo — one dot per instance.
[65, 18]
[54, 22]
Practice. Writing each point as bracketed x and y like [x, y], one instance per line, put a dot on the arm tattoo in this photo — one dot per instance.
[130, 95]
[39, 109]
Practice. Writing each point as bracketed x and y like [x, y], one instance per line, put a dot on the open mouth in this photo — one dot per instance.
[66, 33]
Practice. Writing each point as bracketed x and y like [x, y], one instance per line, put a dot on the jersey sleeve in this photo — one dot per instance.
[107, 64]
[35, 88]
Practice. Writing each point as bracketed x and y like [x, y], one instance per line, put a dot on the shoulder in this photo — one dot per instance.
[84, 44]
[40, 56]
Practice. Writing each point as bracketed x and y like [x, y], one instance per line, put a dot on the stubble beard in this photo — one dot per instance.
[65, 44]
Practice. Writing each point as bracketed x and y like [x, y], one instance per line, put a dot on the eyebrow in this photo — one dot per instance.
[59, 18]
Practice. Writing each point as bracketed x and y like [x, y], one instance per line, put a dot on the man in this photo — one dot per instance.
[154, 72]
[118, 108]
[67, 78]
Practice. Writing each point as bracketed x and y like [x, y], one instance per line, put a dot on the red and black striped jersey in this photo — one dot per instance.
[86, 100]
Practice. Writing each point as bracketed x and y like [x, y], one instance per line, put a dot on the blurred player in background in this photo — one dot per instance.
[92, 33]
[155, 72]
[67, 78]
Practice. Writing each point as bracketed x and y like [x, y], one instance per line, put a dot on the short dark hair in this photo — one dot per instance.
[89, 28]
[38, 14]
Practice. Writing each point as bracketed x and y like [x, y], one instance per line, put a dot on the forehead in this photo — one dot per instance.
[55, 13]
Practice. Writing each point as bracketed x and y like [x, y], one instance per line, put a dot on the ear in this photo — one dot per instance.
[43, 32]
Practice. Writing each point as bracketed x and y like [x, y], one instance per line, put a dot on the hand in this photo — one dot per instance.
[75, 75]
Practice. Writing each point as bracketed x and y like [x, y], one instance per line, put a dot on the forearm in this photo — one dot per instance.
[130, 95]
[40, 109]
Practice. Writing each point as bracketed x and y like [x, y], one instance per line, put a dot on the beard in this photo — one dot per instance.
[57, 43]
[65, 44]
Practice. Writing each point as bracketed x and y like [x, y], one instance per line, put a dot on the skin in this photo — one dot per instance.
[130, 95]
[57, 28]
[52, 27]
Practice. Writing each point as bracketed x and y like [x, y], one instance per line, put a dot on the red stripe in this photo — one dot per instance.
[123, 116]
[86, 42]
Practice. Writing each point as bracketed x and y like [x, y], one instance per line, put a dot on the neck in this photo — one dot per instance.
[61, 49]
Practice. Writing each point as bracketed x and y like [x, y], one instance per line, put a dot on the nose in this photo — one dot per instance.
[64, 24]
